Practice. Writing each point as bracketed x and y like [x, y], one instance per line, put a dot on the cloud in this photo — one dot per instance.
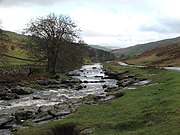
[9, 3]
[117, 22]
[164, 25]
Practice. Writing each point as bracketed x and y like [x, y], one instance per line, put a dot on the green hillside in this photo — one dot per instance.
[137, 49]
[16, 48]
[162, 56]
[101, 48]
[15, 37]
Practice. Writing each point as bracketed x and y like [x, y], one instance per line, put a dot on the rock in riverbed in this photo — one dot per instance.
[22, 90]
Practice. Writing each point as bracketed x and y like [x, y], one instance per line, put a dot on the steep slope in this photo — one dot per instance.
[137, 49]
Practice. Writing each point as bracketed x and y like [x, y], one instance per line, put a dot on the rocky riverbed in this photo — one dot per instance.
[56, 98]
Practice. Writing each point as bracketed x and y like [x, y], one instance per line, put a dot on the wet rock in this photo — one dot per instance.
[104, 86]
[102, 81]
[98, 76]
[142, 82]
[85, 82]
[5, 132]
[48, 82]
[129, 76]
[22, 90]
[23, 115]
[125, 82]
[43, 109]
[107, 90]
[73, 73]
[87, 131]
[99, 97]
[3, 92]
[114, 75]
[9, 96]
[4, 120]
[36, 97]
[90, 102]
[79, 87]
[44, 118]
[73, 80]
[81, 70]
[8, 83]
[56, 113]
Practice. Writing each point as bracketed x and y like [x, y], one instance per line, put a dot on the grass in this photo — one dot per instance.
[149, 110]
[15, 48]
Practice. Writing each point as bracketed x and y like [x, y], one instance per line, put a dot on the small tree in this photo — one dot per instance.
[49, 34]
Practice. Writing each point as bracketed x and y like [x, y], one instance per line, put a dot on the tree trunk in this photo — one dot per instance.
[52, 62]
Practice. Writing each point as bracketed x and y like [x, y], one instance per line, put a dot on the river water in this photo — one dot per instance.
[91, 76]
[169, 68]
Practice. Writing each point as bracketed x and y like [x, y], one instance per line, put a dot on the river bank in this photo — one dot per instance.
[149, 109]
[55, 99]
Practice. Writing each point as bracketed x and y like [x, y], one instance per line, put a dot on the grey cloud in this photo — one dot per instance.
[89, 33]
[8, 3]
[169, 26]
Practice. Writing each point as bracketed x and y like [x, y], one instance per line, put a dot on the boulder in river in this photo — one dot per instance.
[22, 90]
[4, 120]
[23, 115]
[74, 73]
[114, 75]
[78, 87]
[9, 96]
[48, 82]
[72, 80]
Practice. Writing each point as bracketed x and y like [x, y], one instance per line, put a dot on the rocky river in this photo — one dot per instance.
[56, 98]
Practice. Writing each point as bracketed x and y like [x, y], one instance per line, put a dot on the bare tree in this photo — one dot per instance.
[49, 34]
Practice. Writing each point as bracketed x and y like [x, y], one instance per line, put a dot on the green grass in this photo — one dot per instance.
[16, 42]
[149, 110]
[16, 38]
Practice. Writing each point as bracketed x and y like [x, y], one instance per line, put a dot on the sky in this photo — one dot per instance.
[119, 23]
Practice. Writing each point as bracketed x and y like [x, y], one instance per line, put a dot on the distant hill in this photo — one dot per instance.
[105, 48]
[101, 48]
[99, 55]
[137, 49]
[161, 53]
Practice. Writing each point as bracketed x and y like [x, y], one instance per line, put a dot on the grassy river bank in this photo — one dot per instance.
[152, 109]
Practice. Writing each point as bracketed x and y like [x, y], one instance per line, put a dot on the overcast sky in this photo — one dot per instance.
[118, 23]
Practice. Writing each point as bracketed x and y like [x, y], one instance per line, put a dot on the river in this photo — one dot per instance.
[91, 76]
[169, 68]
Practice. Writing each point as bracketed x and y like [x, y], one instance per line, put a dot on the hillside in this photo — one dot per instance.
[162, 56]
[16, 48]
[137, 49]
[101, 48]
